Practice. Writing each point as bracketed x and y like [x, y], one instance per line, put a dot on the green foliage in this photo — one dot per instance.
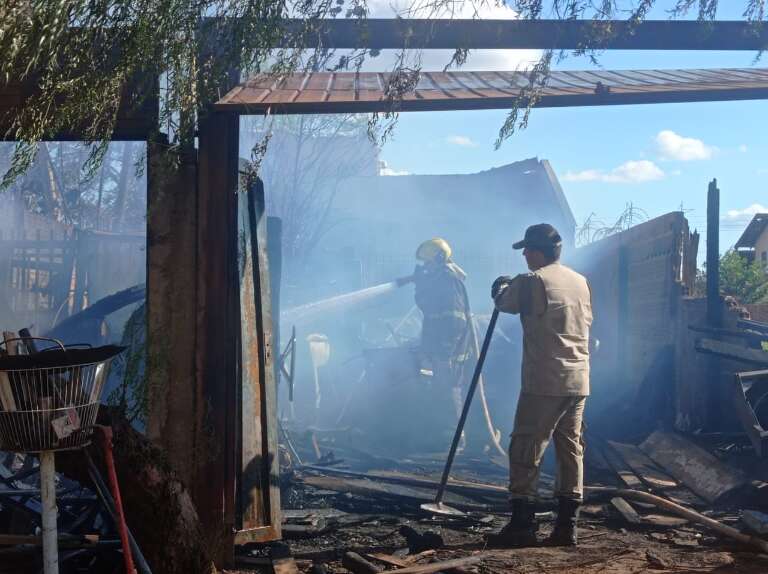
[600, 12]
[748, 283]
[86, 54]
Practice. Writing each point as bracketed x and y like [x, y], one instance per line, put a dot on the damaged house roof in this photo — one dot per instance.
[752, 233]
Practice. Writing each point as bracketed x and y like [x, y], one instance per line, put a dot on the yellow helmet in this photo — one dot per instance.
[434, 249]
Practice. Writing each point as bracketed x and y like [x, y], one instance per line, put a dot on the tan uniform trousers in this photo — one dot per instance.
[538, 419]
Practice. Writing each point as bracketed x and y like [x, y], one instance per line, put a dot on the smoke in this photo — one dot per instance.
[376, 392]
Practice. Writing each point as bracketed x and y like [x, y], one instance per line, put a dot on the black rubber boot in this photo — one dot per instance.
[564, 533]
[520, 532]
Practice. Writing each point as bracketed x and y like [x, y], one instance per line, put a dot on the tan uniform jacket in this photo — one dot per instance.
[555, 310]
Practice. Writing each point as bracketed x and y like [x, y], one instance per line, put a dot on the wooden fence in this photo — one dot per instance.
[48, 275]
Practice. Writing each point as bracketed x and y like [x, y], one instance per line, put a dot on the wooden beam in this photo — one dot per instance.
[447, 34]
[732, 351]
[215, 421]
[171, 304]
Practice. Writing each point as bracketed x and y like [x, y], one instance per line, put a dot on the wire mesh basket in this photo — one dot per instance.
[49, 400]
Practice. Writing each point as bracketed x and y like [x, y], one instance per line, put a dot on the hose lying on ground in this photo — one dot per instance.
[686, 513]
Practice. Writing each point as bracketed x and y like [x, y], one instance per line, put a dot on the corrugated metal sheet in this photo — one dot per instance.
[346, 92]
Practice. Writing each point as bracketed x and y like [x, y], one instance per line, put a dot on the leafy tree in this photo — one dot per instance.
[84, 54]
[747, 282]
[307, 158]
[111, 199]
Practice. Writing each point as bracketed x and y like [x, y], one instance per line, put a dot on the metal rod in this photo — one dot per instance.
[467, 404]
[105, 436]
[48, 497]
[293, 364]
[106, 499]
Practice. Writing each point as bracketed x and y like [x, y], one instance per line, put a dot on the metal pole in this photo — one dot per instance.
[48, 496]
[467, 404]
[106, 499]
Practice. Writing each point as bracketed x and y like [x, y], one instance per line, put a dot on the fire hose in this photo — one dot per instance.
[493, 433]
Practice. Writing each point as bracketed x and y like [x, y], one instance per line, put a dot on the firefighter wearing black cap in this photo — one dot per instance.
[555, 310]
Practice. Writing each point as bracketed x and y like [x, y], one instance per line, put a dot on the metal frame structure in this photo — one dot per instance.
[449, 34]
[364, 92]
[199, 301]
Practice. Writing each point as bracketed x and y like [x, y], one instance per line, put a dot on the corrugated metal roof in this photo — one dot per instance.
[753, 231]
[346, 92]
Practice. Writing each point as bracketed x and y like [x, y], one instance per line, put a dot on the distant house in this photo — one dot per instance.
[380, 220]
[753, 243]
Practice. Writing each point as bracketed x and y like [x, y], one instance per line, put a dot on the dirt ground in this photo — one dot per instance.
[608, 544]
[602, 550]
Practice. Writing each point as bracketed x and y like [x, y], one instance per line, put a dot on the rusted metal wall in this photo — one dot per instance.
[638, 278]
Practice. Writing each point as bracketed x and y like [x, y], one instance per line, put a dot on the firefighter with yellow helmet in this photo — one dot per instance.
[442, 298]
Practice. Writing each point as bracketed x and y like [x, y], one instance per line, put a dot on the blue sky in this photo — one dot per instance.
[658, 157]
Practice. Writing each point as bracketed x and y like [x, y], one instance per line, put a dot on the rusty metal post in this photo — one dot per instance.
[259, 515]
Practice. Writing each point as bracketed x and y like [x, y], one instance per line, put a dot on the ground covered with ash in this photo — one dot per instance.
[376, 514]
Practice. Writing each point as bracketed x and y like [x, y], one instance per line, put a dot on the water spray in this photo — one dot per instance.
[339, 302]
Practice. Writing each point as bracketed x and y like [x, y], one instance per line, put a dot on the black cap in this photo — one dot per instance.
[539, 235]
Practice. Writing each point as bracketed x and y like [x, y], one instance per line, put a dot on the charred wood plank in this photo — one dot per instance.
[626, 510]
[443, 565]
[692, 465]
[356, 564]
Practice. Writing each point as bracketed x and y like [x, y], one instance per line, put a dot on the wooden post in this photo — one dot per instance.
[171, 305]
[714, 306]
[216, 420]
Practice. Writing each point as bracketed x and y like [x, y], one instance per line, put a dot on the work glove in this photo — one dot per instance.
[499, 285]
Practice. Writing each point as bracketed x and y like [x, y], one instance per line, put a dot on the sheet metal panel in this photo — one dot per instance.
[338, 92]
[259, 494]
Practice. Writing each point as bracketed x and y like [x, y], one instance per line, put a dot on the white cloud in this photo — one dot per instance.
[633, 171]
[676, 147]
[743, 148]
[746, 213]
[384, 169]
[436, 60]
[463, 141]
